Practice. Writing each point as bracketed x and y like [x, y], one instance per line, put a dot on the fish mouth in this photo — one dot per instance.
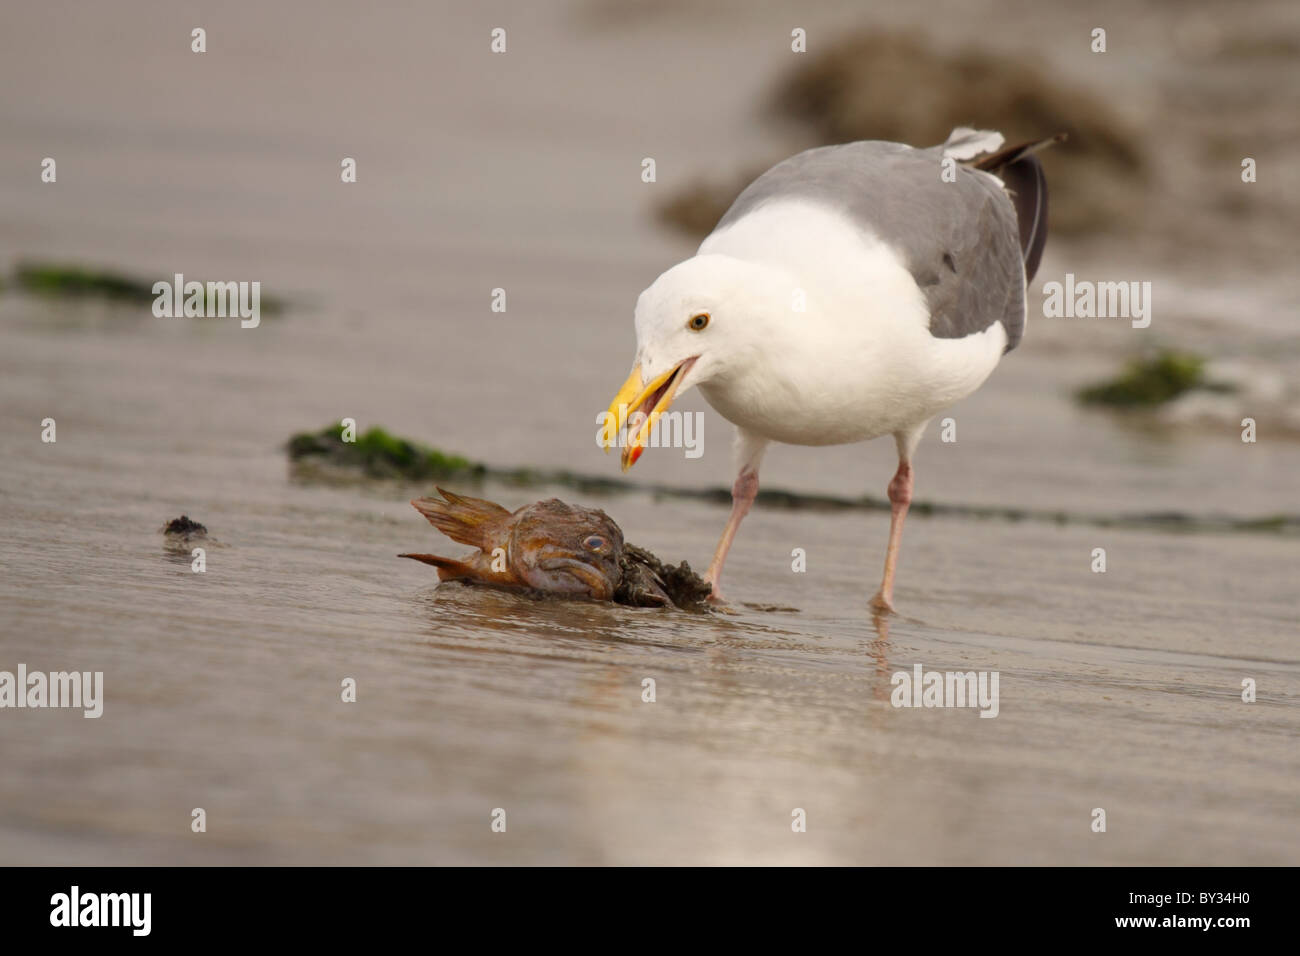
[596, 584]
[650, 400]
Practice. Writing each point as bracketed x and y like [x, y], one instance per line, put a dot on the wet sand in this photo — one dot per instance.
[1118, 690]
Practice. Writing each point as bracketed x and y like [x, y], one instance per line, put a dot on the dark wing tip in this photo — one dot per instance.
[1028, 187]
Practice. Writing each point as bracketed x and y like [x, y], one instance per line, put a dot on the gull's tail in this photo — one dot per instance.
[1022, 174]
[964, 144]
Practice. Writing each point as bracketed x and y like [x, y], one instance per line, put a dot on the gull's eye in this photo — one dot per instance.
[594, 543]
[698, 322]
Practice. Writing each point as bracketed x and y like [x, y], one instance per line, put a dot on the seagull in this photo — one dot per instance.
[850, 292]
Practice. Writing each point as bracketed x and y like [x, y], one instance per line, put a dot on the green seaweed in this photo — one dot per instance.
[381, 455]
[377, 454]
[1150, 381]
[80, 282]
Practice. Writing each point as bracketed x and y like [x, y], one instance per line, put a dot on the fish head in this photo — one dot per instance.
[566, 549]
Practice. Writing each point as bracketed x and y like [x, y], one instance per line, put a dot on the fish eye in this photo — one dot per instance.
[698, 322]
[594, 542]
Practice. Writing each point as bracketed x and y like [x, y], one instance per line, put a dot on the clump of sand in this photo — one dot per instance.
[897, 87]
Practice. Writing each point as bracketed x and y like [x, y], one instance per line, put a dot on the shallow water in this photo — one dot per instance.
[1118, 690]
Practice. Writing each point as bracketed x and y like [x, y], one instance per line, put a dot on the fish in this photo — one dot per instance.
[555, 548]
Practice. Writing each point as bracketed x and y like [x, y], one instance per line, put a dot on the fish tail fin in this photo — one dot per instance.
[471, 521]
[1022, 174]
[449, 569]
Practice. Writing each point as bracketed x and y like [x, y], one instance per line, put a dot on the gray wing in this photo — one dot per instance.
[960, 240]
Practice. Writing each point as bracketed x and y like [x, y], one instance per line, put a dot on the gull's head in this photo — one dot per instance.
[693, 325]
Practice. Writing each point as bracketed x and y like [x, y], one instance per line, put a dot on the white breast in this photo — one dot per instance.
[860, 361]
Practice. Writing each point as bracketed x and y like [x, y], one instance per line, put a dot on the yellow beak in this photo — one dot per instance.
[629, 401]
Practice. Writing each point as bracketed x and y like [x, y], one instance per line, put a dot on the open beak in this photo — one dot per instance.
[651, 400]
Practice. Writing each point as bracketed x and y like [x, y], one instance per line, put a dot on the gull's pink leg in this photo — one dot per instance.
[743, 493]
[900, 497]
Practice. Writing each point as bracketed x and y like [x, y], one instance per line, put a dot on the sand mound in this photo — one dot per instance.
[896, 87]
